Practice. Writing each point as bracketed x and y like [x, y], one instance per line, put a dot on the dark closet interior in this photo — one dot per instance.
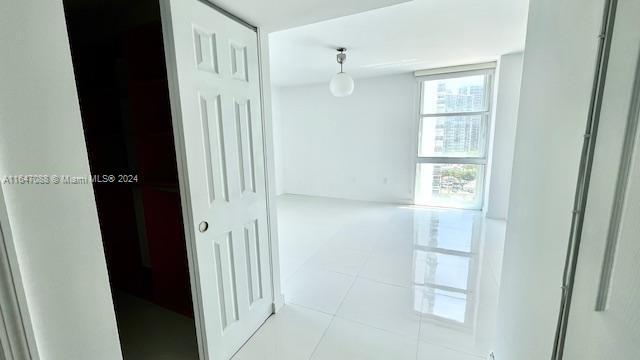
[121, 78]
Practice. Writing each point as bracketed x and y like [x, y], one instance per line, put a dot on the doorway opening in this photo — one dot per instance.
[119, 63]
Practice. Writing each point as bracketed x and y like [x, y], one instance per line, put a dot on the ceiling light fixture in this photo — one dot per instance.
[341, 84]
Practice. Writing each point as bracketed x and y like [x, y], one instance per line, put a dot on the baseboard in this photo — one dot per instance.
[371, 200]
[495, 218]
[278, 303]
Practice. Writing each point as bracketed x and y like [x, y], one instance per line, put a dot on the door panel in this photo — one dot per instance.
[610, 330]
[213, 65]
[212, 138]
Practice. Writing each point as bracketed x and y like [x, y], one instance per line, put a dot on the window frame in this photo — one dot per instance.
[486, 69]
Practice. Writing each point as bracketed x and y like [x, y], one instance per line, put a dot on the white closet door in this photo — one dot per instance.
[604, 320]
[215, 97]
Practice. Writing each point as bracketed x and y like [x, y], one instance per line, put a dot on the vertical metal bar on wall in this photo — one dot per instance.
[584, 175]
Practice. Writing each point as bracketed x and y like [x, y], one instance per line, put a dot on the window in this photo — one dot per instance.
[455, 113]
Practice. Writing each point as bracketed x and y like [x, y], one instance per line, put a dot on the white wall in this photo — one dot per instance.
[55, 227]
[360, 147]
[363, 147]
[509, 76]
[559, 63]
[278, 143]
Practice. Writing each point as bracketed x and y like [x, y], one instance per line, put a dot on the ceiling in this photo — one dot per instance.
[420, 34]
[272, 15]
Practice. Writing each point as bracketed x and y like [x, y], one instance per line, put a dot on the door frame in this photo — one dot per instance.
[17, 340]
[267, 143]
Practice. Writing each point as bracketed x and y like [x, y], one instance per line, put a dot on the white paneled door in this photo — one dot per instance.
[213, 67]
[604, 318]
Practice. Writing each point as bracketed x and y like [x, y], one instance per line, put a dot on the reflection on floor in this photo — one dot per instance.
[374, 281]
[150, 332]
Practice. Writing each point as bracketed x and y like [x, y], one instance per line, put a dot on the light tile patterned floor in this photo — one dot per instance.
[376, 281]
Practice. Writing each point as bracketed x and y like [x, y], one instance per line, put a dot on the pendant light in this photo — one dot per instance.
[341, 84]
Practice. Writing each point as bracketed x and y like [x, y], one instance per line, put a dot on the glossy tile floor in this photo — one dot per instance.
[375, 281]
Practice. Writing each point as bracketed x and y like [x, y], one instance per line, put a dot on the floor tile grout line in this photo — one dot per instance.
[332, 319]
[355, 278]
[391, 332]
[330, 238]
[371, 251]
[307, 262]
[418, 339]
[448, 347]
[421, 316]
[309, 308]
[364, 263]
[315, 348]
[433, 342]
[367, 278]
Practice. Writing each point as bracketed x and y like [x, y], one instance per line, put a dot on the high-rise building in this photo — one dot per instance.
[459, 134]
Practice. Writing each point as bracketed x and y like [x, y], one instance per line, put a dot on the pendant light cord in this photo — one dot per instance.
[341, 57]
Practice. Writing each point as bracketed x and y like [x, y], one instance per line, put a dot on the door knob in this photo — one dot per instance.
[203, 226]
